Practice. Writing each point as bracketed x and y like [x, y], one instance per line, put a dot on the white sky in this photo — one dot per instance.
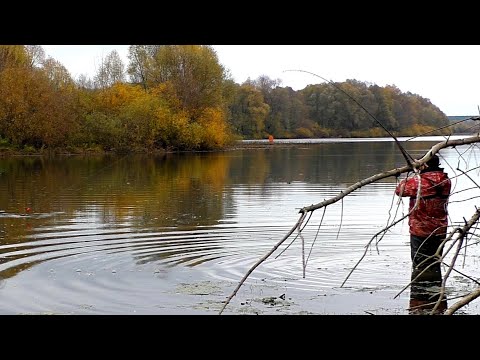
[448, 75]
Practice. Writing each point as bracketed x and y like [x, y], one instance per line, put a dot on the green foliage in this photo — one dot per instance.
[323, 110]
[28, 149]
[248, 112]
[4, 142]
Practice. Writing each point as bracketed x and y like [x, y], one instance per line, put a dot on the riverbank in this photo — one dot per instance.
[264, 143]
[239, 144]
[6, 152]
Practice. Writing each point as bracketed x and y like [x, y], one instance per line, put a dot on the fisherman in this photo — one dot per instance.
[428, 220]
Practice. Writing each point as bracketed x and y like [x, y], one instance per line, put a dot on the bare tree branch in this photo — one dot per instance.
[297, 225]
[394, 172]
[463, 232]
[368, 245]
[464, 301]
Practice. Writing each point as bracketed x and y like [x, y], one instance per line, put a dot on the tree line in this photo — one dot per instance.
[179, 97]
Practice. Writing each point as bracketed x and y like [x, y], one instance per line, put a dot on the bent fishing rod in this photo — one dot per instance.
[410, 161]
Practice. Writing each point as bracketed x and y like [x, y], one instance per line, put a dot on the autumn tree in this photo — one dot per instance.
[384, 109]
[266, 85]
[316, 98]
[58, 74]
[36, 107]
[35, 55]
[248, 112]
[140, 63]
[12, 56]
[195, 73]
[288, 116]
[110, 71]
[83, 81]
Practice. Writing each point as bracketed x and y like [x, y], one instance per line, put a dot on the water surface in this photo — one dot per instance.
[174, 234]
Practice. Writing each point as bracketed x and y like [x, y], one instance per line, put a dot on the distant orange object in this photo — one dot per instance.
[270, 139]
[27, 209]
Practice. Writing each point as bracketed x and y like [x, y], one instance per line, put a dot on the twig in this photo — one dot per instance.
[303, 248]
[464, 301]
[468, 176]
[463, 232]
[368, 245]
[297, 224]
[452, 264]
[316, 235]
[448, 238]
[295, 238]
[383, 231]
[341, 221]
[389, 217]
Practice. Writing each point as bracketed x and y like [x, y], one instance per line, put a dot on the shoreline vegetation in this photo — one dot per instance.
[238, 144]
[176, 98]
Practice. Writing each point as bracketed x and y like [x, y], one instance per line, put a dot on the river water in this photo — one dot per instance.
[174, 234]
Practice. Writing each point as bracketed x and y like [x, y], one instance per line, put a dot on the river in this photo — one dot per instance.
[174, 234]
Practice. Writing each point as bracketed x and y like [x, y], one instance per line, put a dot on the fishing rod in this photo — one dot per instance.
[474, 118]
[406, 155]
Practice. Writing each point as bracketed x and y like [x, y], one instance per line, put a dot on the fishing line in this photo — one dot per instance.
[405, 154]
[446, 126]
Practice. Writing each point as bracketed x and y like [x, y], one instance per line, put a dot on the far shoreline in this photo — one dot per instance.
[239, 144]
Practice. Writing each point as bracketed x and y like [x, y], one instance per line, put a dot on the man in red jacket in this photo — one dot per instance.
[428, 221]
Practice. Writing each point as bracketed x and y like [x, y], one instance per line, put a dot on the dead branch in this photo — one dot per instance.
[450, 268]
[316, 235]
[304, 265]
[464, 275]
[464, 301]
[295, 238]
[436, 255]
[415, 206]
[297, 225]
[394, 172]
[463, 232]
[388, 220]
[368, 245]
[469, 177]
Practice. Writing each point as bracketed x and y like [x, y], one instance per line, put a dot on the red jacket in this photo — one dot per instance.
[431, 215]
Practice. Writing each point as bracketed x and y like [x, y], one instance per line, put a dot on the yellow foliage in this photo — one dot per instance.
[172, 127]
[113, 98]
[12, 56]
[32, 111]
[166, 92]
[304, 133]
[373, 132]
[419, 129]
[215, 132]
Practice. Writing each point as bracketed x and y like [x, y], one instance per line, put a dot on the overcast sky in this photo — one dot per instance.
[448, 75]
